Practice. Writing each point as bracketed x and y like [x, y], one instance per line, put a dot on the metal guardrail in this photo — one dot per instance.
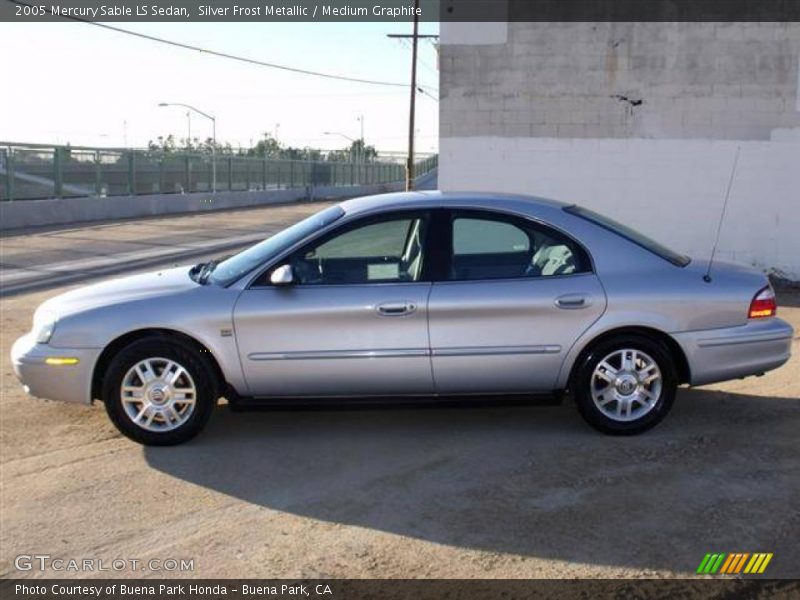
[34, 171]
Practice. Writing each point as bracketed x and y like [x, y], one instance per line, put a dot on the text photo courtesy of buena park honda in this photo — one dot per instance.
[391, 299]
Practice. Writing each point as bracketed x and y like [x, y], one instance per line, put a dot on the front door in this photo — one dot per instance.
[515, 297]
[354, 321]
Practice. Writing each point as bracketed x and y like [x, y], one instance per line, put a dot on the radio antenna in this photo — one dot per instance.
[707, 276]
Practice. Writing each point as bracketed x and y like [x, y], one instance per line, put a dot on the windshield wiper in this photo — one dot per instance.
[206, 270]
[196, 270]
[201, 271]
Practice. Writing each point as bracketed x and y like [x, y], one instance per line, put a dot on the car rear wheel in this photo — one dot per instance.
[159, 393]
[626, 385]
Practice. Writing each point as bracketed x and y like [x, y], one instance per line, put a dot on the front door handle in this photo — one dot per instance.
[396, 309]
[572, 301]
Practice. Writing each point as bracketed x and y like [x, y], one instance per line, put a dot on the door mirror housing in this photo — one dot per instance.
[283, 275]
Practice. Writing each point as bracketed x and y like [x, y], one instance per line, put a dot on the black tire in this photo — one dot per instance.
[582, 385]
[195, 364]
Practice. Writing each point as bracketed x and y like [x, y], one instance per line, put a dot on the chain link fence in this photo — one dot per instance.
[33, 171]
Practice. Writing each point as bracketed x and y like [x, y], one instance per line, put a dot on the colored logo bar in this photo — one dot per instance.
[734, 563]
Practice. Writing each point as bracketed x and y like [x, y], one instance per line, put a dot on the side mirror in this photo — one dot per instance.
[283, 275]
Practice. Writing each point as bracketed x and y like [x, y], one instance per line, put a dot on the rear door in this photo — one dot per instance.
[514, 296]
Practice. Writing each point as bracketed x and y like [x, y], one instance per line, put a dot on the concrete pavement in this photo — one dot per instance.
[40, 259]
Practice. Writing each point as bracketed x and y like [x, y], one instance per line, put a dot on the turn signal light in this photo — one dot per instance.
[763, 305]
[60, 361]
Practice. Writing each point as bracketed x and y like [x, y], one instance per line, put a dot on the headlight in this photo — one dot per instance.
[44, 329]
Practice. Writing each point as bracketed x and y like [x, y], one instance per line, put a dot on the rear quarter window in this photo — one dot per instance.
[630, 234]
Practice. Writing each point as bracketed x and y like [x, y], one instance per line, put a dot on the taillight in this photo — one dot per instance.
[763, 305]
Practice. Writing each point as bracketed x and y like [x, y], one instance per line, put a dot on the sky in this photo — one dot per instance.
[82, 84]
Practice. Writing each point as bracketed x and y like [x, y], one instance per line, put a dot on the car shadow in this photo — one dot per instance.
[531, 481]
[789, 297]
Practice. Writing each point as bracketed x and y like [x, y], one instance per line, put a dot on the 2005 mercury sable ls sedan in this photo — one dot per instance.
[418, 294]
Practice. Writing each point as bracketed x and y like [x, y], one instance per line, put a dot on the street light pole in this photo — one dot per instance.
[347, 137]
[213, 137]
[213, 155]
[362, 149]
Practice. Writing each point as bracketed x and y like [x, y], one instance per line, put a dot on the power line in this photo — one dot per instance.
[431, 96]
[243, 59]
[406, 44]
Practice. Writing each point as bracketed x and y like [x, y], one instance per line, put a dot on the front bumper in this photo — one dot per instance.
[734, 352]
[64, 382]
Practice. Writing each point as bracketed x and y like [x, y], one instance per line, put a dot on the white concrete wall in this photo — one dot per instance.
[638, 120]
[672, 190]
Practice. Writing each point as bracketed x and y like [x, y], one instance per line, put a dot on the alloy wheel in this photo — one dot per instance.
[158, 394]
[626, 384]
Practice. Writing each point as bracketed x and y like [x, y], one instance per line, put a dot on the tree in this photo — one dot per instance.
[269, 147]
[163, 144]
[170, 144]
[362, 152]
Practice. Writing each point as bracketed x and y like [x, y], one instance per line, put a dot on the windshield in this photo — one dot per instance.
[634, 236]
[240, 264]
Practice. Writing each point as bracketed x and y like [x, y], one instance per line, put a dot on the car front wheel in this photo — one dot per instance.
[626, 385]
[159, 393]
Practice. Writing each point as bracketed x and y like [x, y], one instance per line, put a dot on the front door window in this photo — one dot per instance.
[389, 250]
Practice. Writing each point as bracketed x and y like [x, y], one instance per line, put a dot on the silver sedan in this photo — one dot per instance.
[415, 295]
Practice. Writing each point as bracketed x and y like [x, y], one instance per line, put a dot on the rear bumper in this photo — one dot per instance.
[64, 382]
[733, 352]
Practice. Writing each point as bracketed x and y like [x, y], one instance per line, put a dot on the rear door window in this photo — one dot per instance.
[496, 246]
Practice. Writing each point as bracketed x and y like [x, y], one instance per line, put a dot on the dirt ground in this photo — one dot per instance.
[507, 492]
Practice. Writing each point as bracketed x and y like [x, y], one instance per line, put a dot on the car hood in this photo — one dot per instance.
[119, 290]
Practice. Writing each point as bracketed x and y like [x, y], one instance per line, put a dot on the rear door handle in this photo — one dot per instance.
[572, 301]
[396, 309]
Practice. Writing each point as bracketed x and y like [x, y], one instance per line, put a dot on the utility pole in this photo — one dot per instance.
[413, 104]
[413, 99]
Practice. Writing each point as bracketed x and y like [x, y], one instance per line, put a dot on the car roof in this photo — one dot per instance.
[433, 199]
